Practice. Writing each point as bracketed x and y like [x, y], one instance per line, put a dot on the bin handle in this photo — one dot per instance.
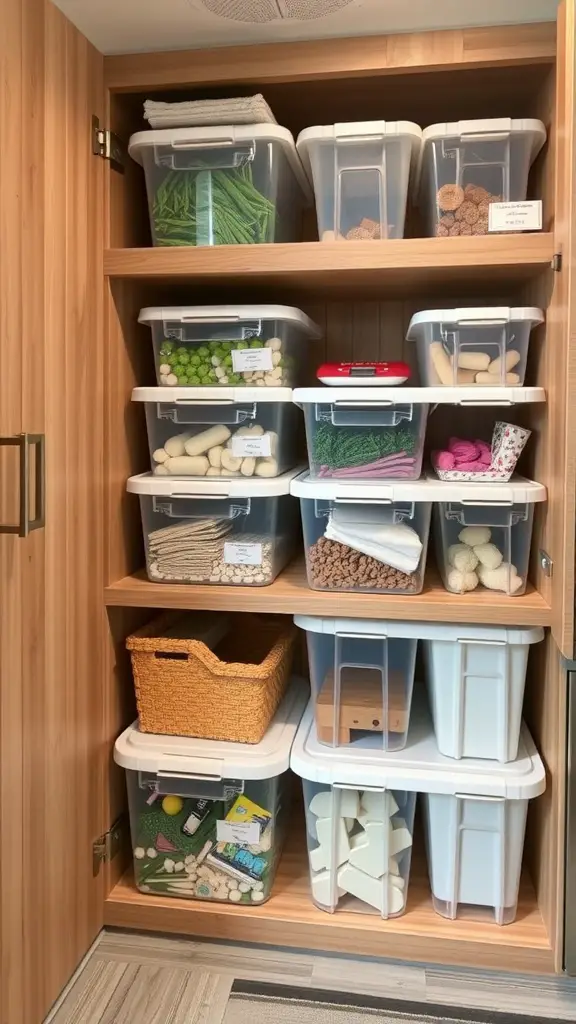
[479, 402]
[191, 143]
[363, 501]
[376, 403]
[480, 797]
[487, 504]
[485, 643]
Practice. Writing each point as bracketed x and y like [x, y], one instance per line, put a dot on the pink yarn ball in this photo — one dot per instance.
[484, 453]
[444, 460]
[471, 467]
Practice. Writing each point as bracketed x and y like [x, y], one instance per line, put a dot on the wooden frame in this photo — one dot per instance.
[313, 273]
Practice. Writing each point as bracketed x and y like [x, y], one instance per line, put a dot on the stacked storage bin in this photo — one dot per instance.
[365, 749]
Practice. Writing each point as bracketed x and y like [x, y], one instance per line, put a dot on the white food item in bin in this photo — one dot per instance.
[323, 803]
[380, 892]
[376, 807]
[321, 883]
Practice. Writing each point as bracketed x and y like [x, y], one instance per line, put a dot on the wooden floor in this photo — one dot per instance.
[145, 979]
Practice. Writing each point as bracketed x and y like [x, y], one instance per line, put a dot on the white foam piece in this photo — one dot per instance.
[345, 800]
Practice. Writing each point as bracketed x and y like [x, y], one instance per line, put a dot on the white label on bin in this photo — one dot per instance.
[246, 359]
[238, 832]
[243, 554]
[526, 216]
[251, 446]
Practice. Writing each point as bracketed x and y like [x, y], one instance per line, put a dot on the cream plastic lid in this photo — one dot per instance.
[419, 767]
[219, 395]
[186, 757]
[379, 398]
[479, 316]
[229, 315]
[486, 128]
[513, 492]
[220, 137]
[211, 487]
[357, 133]
[459, 634]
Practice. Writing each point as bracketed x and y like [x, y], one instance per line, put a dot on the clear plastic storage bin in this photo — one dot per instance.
[222, 185]
[361, 171]
[483, 534]
[475, 842]
[207, 818]
[364, 536]
[485, 347]
[360, 819]
[362, 434]
[223, 346]
[362, 674]
[234, 532]
[466, 165]
[217, 432]
[475, 678]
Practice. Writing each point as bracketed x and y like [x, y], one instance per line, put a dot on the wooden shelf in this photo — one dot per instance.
[290, 919]
[362, 269]
[290, 594]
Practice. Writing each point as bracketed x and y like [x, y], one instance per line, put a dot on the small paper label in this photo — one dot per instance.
[526, 216]
[247, 832]
[243, 554]
[246, 359]
[251, 446]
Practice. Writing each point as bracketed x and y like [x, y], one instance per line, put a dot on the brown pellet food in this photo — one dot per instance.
[450, 197]
[335, 566]
[448, 220]
[442, 230]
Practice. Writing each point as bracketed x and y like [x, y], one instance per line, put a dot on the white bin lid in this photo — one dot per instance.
[357, 132]
[419, 767]
[230, 315]
[181, 755]
[211, 487]
[485, 127]
[378, 397]
[517, 490]
[420, 630]
[481, 316]
[220, 136]
[211, 395]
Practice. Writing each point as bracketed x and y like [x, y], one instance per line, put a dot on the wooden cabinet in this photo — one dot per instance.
[75, 268]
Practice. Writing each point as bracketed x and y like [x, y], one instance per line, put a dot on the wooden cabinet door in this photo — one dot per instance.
[561, 344]
[53, 762]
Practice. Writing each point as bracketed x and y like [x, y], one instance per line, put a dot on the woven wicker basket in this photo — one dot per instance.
[184, 689]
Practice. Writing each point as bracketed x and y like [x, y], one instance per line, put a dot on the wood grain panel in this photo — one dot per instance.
[16, 118]
[289, 918]
[289, 594]
[333, 58]
[357, 270]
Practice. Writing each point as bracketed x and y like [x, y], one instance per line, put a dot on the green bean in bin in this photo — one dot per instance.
[352, 452]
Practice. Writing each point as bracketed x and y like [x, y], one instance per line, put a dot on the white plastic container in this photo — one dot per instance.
[236, 532]
[475, 819]
[486, 346]
[222, 346]
[361, 171]
[364, 434]
[251, 431]
[365, 536]
[483, 534]
[222, 185]
[475, 678]
[466, 165]
[208, 817]
[362, 674]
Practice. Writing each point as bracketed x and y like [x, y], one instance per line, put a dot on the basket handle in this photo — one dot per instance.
[172, 655]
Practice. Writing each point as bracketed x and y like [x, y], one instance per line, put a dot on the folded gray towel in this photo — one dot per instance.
[200, 113]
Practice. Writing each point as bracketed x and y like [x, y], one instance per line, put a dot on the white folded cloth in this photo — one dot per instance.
[361, 528]
[200, 113]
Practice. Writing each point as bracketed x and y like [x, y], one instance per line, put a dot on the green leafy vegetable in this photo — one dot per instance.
[340, 447]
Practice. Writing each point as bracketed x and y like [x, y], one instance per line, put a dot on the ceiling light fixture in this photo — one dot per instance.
[274, 10]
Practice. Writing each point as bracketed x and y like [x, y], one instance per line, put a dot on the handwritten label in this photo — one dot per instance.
[256, 447]
[247, 832]
[525, 216]
[242, 554]
[246, 359]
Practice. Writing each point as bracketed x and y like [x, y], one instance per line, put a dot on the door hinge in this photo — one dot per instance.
[546, 563]
[557, 262]
[108, 845]
[107, 145]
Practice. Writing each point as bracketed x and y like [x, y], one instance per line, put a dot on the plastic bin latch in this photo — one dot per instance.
[195, 156]
[188, 507]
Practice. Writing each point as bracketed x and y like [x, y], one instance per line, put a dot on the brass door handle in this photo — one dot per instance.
[24, 442]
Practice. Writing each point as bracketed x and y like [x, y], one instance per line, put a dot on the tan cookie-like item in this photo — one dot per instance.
[454, 230]
[441, 230]
[478, 195]
[448, 220]
[480, 228]
[465, 229]
[450, 197]
[358, 234]
[471, 215]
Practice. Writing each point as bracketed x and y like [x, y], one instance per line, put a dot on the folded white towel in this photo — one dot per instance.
[200, 113]
[395, 544]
